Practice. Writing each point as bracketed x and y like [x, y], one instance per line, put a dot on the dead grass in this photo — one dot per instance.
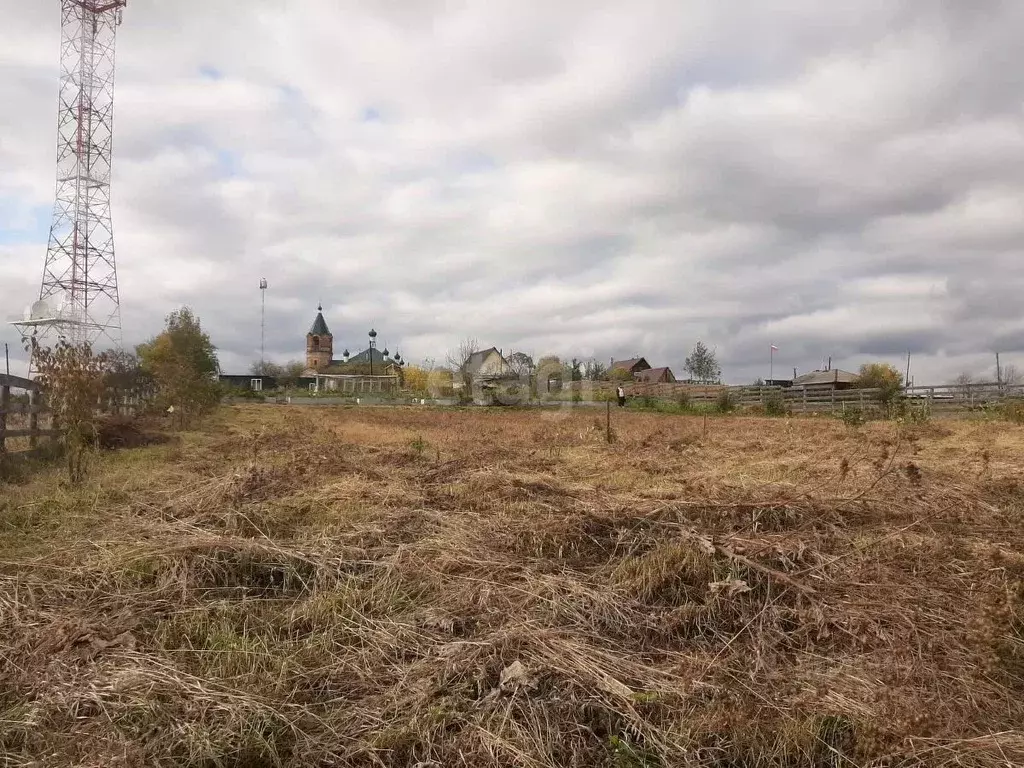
[378, 587]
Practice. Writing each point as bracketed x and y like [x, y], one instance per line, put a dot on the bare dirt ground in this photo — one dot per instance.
[417, 587]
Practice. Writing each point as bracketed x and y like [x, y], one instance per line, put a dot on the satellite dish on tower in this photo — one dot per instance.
[41, 310]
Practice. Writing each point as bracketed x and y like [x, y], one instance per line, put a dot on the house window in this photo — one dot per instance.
[256, 385]
[316, 343]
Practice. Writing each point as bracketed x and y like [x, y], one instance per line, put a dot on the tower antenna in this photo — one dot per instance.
[263, 321]
[78, 296]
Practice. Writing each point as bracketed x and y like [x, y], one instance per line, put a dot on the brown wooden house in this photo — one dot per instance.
[633, 366]
[655, 376]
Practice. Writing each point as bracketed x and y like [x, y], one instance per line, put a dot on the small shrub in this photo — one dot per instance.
[419, 445]
[853, 417]
[1013, 410]
[685, 402]
[646, 402]
[883, 378]
[625, 754]
[726, 402]
[250, 394]
[775, 404]
[919, 415]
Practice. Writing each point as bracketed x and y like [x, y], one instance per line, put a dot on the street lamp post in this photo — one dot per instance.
[373, 346]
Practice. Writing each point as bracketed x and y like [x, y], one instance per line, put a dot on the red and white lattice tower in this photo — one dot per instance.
[78, 299]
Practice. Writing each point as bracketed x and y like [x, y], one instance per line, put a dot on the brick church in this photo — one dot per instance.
[320, 353]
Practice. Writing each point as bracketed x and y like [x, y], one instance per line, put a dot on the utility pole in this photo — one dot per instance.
[263, 322]
[907, 380]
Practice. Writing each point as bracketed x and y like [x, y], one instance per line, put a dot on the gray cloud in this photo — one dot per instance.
[580, 179]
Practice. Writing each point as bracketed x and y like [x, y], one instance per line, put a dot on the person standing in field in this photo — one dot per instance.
[621, 394]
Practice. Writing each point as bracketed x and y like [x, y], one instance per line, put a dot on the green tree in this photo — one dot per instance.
[575, 370]
[594, 370]
[521, 363]
[881, 376]
[292, 372]
[620, 374]
[183, 363]
[125, 380]
[702, 364]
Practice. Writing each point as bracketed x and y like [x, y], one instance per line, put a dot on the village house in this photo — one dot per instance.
[825, 380]
[662, 375]
[641, 371]
[633, 366]
[486, 363]
[490, 378]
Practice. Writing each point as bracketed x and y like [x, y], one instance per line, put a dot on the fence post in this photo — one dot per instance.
[33, 418]
[5, 404]
[805, 401]
[54, 421]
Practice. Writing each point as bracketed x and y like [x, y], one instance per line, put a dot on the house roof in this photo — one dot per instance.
[825, 377]
[629, 365]
[364, 357]
[475, 360]
[654, 373]
[319, 324]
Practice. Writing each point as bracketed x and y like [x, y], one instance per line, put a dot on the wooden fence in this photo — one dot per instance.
[29, 404]
[938, 399]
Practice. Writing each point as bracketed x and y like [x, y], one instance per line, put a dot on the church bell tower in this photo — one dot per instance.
[319, 343]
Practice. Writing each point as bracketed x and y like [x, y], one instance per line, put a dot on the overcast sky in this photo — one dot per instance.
[599, 178]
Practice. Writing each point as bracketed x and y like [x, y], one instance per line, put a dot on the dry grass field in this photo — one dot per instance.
[411, 587]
